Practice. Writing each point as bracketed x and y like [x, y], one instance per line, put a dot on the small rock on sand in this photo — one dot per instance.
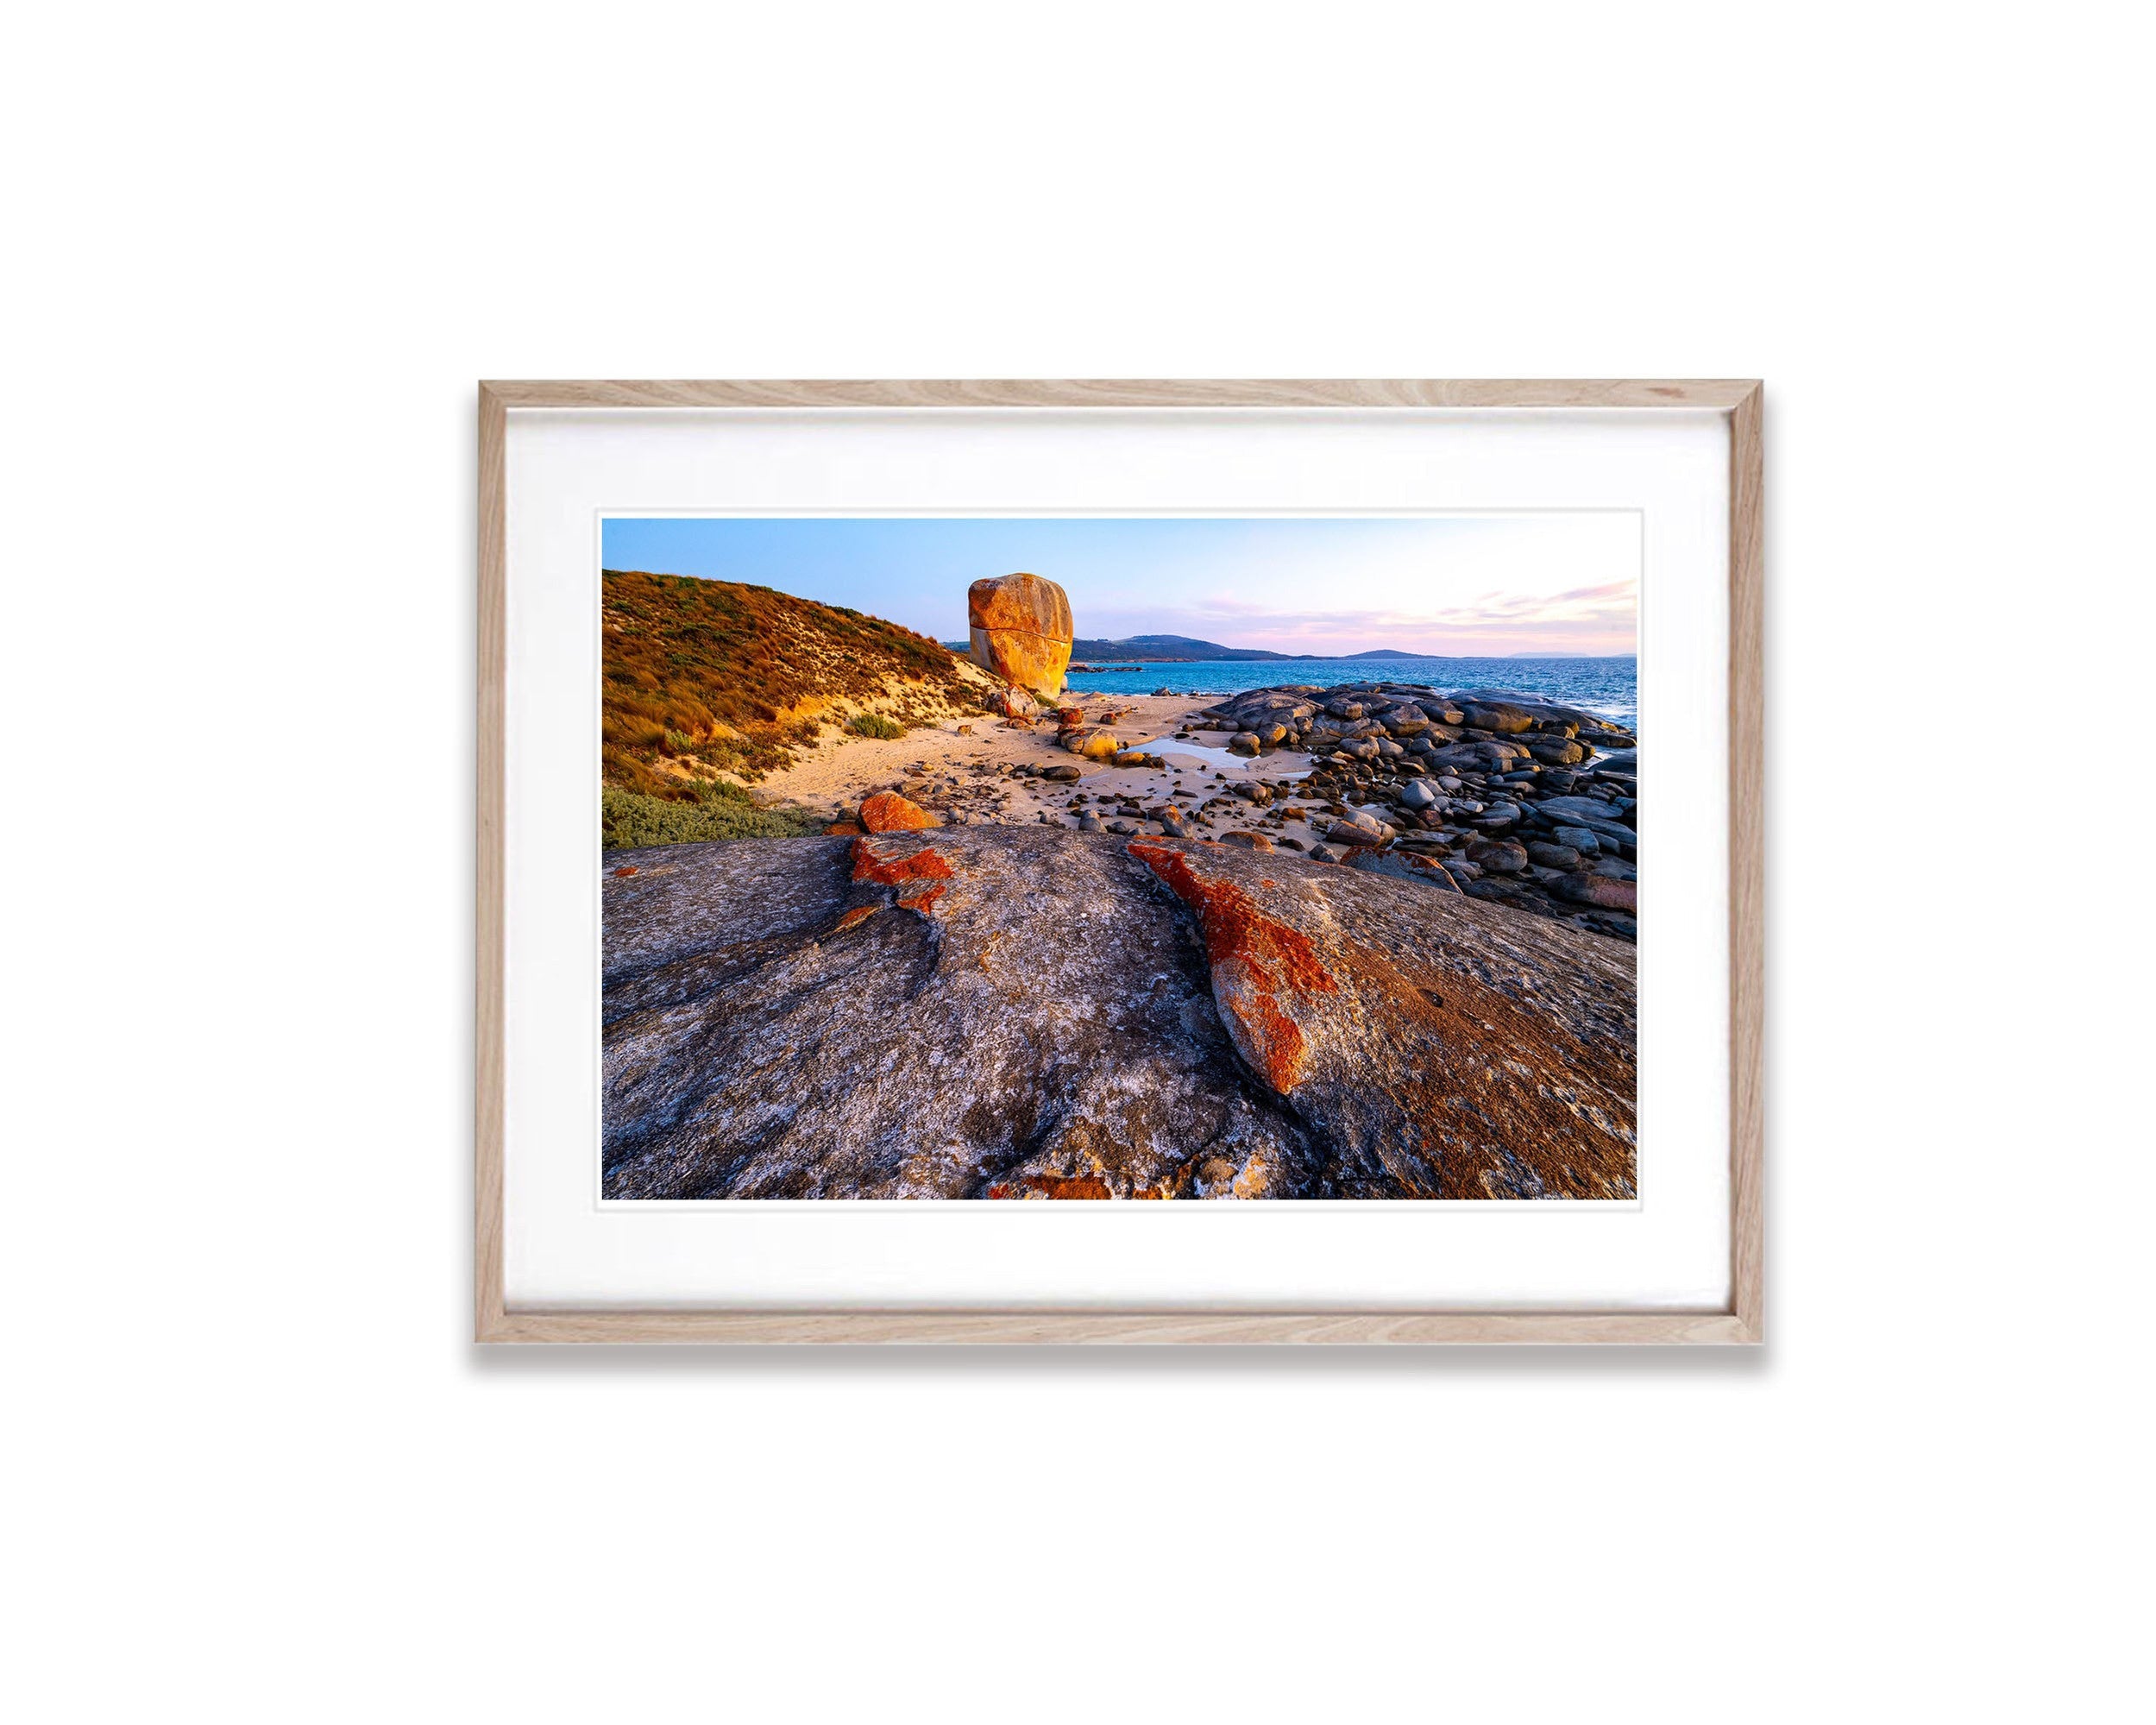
[889, 812]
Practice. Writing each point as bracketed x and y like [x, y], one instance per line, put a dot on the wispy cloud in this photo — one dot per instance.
[1602, 618]
[1474, 584]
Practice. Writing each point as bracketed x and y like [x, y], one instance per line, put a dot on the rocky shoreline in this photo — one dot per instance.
[1503, 795]
[1522, 801]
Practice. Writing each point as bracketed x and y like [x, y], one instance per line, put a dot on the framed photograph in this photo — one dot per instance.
[1097, 861]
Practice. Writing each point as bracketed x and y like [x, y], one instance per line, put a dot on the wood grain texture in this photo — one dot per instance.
[1720, 394]
[1240, 1329]
[1747, 864]
[1743, 1323]
[492, 951]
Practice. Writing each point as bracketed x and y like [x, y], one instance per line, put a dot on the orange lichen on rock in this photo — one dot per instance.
[920, 875]
[860, 913]
[889, 812]
[887, 867]
[1255, 960]
[1051, 1186]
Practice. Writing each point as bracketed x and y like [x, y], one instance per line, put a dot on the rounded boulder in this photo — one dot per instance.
[1498, 856]
[1020, 627]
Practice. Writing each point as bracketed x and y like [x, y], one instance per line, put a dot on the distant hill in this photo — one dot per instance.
[705, 677]
[1166, 649]
[1182, 649]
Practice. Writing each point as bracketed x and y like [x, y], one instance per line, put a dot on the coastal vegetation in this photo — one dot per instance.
[704, 677]
[709, 810]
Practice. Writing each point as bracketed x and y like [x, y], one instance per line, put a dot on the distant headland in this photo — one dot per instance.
[1188, 650]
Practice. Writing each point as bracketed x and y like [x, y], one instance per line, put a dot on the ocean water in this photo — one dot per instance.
[1607, 686]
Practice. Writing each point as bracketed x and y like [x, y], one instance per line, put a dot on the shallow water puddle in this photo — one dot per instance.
[1171, 748]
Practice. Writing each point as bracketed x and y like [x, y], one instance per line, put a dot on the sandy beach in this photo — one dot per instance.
[972, 778]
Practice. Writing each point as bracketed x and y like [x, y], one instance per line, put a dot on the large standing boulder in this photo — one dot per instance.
[1020, 630]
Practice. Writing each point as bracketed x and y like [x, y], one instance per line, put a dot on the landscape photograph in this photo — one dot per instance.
[1101, 858]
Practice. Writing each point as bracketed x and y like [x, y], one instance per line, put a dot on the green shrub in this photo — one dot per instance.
[723, 811]
[876, 725]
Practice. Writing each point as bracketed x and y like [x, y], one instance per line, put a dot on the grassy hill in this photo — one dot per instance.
[705, 677]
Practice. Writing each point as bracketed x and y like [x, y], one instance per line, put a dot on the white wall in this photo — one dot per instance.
[263, 253]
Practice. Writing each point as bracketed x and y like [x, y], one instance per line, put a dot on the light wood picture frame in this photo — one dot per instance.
[1739, 401]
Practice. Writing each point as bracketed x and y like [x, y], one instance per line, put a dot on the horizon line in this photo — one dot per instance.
[956, 645]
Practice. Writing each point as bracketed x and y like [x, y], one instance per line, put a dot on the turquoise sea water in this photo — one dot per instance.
[1607, 686]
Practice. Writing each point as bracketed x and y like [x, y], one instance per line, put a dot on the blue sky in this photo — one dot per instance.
[1482, 584]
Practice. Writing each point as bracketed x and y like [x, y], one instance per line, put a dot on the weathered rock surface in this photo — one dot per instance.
[1428, 1058]
[1599, 890]
[1404, 866]
[1020, 630]
[1019, 1012]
